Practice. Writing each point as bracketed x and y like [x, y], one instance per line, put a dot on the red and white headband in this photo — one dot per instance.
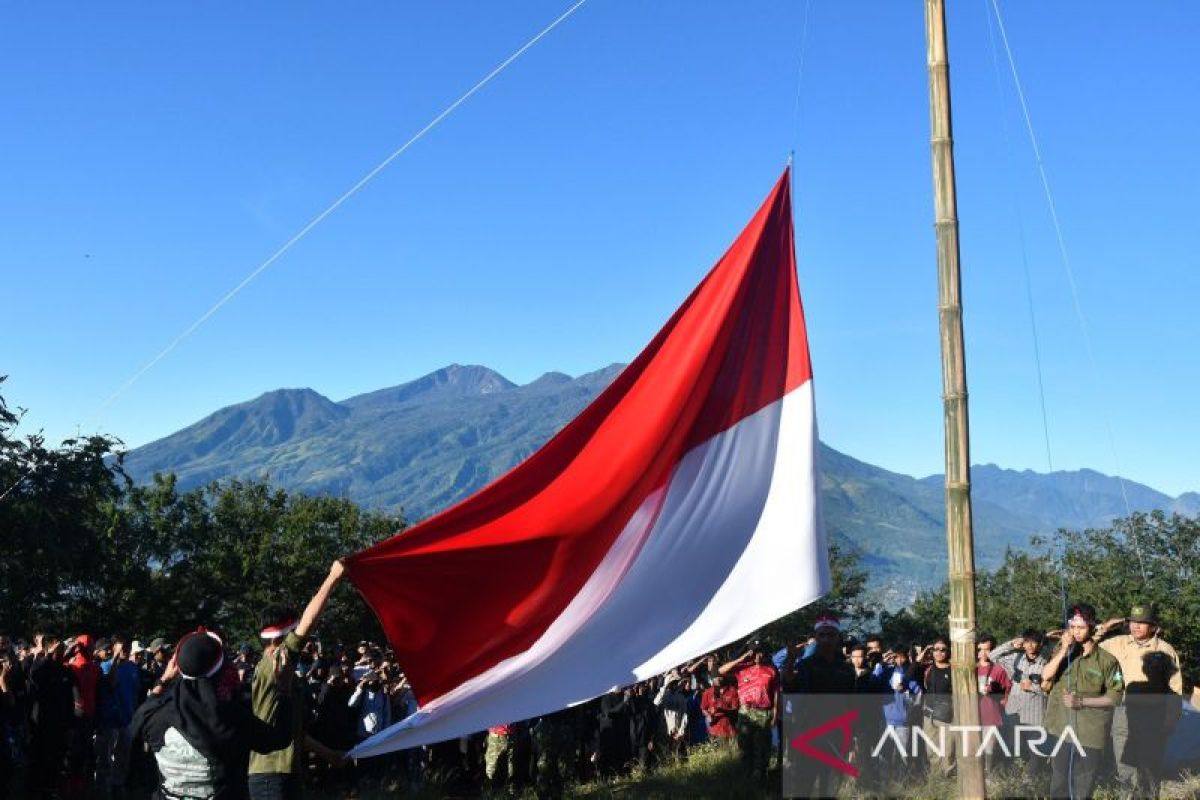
[279, 629]
[1078, 615]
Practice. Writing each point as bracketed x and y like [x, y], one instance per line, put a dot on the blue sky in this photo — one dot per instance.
[154, 154]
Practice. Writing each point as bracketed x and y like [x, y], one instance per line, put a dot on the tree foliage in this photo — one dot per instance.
[85, 550]
[848, 600]
[1147, 558]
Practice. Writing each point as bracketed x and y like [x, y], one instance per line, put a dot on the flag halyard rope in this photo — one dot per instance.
[1065, 259]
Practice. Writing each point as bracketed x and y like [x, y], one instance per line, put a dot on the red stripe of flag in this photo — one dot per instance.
[482, 581]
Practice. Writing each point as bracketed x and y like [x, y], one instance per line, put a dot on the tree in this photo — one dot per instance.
[1147, 558]
[58, 522]
[85, 550]
[848, 599]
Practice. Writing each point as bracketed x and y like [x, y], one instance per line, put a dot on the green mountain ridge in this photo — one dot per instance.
[423, 445]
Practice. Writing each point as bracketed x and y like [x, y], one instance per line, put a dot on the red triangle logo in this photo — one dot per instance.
[844, 723]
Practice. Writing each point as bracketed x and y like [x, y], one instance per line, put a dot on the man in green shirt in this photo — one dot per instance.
[1084, 685]
[279, 775]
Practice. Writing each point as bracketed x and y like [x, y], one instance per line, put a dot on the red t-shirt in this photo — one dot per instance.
[993, 683]
[721, 705]
[87, 678]
[757, 686]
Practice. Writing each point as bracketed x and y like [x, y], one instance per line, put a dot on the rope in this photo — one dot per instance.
[796, 113]
[1070, 273]
[800, 66]
[314, 222]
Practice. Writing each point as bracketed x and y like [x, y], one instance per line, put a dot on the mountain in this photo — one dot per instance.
[423, 445]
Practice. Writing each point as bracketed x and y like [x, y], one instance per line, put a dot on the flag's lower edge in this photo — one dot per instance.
[733, 541]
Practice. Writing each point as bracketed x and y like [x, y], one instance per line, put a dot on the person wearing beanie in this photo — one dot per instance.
[279, 775]
[200, 733]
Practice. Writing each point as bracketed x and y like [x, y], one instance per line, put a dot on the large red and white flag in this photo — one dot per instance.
[675, 514]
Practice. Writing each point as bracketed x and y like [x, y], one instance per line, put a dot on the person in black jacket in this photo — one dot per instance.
[200, 731]
[643, 726]
[612, 732]
[52, 687]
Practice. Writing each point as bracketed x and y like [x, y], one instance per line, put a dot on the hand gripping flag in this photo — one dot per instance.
[676, 513]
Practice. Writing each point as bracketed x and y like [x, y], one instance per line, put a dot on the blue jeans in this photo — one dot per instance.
[275, 786]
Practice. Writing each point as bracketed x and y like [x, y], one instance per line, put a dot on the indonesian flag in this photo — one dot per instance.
[675, 514]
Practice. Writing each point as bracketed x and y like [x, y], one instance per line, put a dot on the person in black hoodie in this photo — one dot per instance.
[198, 728]
[612, 733]
[643, 726]
[52, 687]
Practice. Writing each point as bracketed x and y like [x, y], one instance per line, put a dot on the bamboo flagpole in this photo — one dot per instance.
[959, 536]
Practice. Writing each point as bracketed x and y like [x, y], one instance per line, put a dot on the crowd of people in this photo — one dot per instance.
[1092, 702]
[201, 718]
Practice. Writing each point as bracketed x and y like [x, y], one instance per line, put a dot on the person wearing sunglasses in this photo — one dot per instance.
[938, 710]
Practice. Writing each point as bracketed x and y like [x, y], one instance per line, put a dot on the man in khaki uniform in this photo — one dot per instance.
[279, 775]
[1084, 684]
[1152, 703]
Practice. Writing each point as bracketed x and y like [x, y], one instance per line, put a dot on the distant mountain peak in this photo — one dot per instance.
[428, 443]
[454, 380]
[471, 378]
[550, 379]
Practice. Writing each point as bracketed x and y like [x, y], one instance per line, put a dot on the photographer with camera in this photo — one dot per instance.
[372, 703]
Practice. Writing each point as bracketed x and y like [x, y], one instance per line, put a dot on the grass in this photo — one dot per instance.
[715, 773]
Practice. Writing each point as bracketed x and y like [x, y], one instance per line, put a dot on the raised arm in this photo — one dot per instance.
[313, 610]
[1050, 671]
[730, 666]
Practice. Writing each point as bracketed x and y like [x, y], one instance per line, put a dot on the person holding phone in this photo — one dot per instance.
[1084, 685]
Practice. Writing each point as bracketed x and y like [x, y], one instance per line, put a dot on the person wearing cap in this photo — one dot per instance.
[279, 775]
[829, 680]
[87, 689]
[758, 695]
[1084, 683]
[1152, 702]
[199, 731]
[673, 702]
[154, 661]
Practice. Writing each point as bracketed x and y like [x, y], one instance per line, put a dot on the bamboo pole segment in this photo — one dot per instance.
[959, 536]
